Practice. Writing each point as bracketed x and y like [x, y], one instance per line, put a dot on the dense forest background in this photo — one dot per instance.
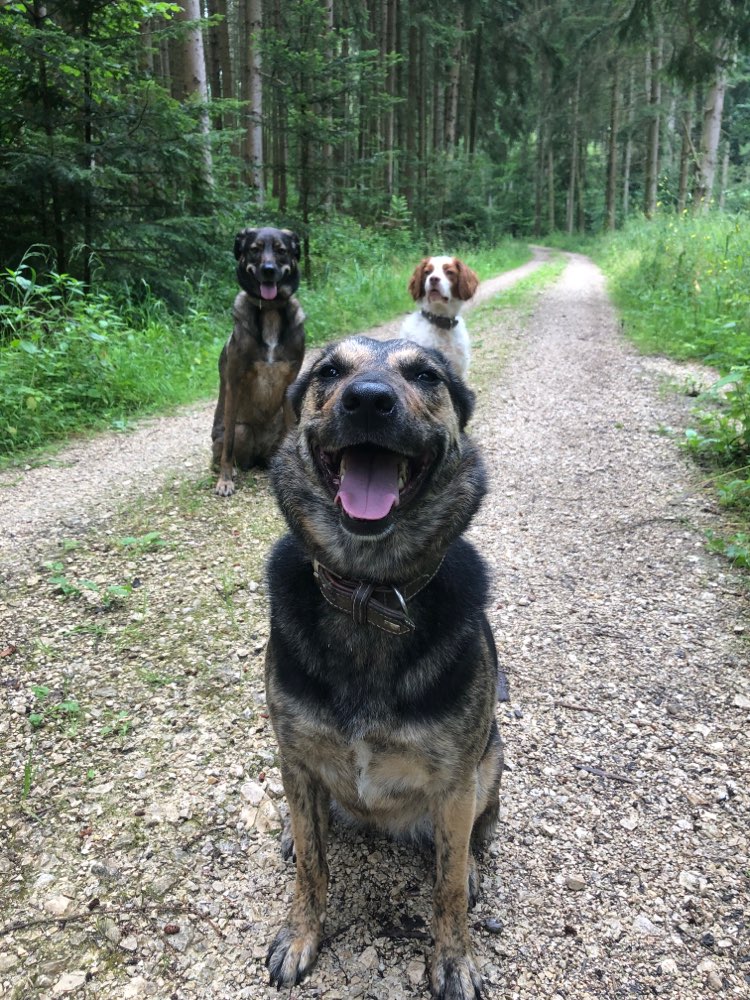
[136, 136]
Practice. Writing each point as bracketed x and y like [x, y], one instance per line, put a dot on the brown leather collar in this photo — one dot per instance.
[380, 604]
[444, 322]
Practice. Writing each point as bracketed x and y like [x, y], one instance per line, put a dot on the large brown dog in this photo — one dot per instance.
[262, 356]
[381, 669]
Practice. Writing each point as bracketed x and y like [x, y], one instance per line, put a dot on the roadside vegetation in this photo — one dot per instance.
[72, 360]
[682, 286]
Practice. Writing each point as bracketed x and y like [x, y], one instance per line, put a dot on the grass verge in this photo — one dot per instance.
[682, 287]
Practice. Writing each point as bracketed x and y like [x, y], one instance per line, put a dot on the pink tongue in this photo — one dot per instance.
[369, 488]
[268, 291]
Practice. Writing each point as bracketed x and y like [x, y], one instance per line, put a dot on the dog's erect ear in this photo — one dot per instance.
[416, 283]
[468, 282]
[242, 239]
[294, 243]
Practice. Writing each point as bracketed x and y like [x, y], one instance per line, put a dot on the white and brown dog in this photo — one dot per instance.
[441, 285]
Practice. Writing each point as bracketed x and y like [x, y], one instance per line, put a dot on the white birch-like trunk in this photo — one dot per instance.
[712, 114]
[194, 82]
[253, 95]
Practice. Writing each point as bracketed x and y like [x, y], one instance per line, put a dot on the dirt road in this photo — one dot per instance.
[139, 792]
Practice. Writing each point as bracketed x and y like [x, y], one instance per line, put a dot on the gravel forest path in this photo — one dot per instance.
[141, 828]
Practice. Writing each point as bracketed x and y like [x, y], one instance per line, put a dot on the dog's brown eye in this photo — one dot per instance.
[427, 376]
[328, 371]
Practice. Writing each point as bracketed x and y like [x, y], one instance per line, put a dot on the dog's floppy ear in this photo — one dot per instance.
[416, 284]
[243, 237]
[468, 282]
[294, 243]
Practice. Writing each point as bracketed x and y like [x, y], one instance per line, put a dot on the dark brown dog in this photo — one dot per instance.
[262, 356]
[381, 668]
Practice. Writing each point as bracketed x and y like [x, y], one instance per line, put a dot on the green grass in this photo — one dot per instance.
[682, 286]
[72, 362]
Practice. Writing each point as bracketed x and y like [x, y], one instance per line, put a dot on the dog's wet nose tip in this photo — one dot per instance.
[369, 398]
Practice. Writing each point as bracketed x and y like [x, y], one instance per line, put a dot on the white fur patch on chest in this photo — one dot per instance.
[381, 775]
[271, 321]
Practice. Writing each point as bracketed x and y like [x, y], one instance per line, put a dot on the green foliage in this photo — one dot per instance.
[110, 595]
[69, 360]
[47, 708]
[683, 286]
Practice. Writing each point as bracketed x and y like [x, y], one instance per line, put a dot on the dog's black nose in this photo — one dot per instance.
[267, 271]
[367, 400]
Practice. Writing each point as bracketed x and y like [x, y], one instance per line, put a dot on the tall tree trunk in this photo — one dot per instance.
[252, 96]
[687, 153]
[389, 32]
[328, 113]
[628, 153]
[710, 135]
[47, 100]
[146, 49]
[651, 187]
[87, 152]
[412, 130]
[194, 82]
[571, 201]
[451, 96]
[550, 190]
[612, 158]
[220, 69]
[724, 177]
[477, 68]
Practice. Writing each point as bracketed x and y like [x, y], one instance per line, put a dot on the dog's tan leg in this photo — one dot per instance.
[454, 975]
[225, 483]
[295, 947]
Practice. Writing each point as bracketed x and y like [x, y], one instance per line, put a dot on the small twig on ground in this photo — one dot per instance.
[590, 769]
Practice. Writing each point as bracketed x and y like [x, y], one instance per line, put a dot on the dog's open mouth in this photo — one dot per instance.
[367, 482]
[269, 291]
[435, 296]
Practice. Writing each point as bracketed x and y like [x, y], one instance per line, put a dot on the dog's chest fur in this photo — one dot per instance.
[453, 343]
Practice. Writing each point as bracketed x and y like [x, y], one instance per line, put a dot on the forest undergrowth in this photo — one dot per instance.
[682, 287]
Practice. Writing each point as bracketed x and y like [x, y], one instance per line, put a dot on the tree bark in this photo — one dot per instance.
[194, 83]
[710, 135]
[571, 201]
[686, 152]
[651, 186]
[628, 153]
[252, 96]
[612, 158]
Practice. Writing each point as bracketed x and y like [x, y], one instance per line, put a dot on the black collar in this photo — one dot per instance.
[382, 605]
[444, 322]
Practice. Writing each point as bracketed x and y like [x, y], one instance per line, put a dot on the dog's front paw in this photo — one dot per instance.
[224, 487]
[291, 956]
[455, 978]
